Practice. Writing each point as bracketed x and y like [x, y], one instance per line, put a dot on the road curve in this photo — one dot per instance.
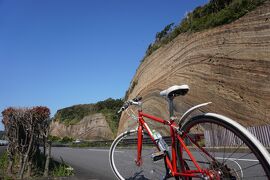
[88, 163]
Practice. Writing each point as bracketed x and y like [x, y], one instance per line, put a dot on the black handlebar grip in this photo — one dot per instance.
[124, 107]
[137, 99]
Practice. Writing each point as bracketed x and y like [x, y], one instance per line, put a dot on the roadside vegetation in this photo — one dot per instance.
[27, 131]
[61, 169]
[56, 169]
[58, 140]
[212, 14]
[74, 114]
[70, 142]
[92, 144]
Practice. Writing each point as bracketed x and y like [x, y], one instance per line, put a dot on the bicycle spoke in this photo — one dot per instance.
[254, 177]
[224, 147]
[229, 149]
[200, 152]
[233, 153]
[239, 158]
[249, 167]
[213, 138]
[126, 164]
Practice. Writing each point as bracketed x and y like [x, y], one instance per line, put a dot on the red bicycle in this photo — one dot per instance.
[208, 146]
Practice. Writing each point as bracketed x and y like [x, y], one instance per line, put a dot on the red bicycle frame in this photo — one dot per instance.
[171, 163]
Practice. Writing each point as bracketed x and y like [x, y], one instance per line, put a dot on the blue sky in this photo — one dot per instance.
[59, 53]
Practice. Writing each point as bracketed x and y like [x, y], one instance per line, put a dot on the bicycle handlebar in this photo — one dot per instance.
[135, 101]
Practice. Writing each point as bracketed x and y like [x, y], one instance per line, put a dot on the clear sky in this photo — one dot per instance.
[59, 53]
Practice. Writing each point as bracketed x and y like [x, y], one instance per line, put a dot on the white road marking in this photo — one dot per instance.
[104, 150]
[235, 159]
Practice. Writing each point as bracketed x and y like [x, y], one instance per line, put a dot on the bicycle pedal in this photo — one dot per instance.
[157, 156]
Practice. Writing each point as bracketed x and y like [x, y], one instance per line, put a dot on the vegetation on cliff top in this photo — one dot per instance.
[214, 13]
[74, 114]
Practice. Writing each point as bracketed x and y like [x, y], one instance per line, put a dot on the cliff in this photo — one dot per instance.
[228, 65]
[91, 127]
[97, 121]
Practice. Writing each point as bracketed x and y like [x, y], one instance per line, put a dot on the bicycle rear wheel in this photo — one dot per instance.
[231, 152]
[123, 153]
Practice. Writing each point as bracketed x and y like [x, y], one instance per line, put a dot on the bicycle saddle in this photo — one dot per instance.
[174, 91]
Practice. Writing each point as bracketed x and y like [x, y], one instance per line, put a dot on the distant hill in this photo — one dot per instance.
[72, 115]
[80, 121]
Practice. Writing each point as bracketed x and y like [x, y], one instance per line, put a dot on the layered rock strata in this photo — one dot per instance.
[91, 127]
[228, 65]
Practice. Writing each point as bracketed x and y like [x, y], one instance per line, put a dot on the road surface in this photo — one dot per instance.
[93, 163]
[89, 164]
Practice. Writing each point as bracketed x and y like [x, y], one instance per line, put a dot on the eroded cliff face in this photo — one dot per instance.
[228, 65]
[91, 127]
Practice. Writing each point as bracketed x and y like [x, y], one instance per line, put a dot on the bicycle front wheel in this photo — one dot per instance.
[123, 155]
[224, 148]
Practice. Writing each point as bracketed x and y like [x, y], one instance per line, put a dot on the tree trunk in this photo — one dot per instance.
[48, 157]
[20, 162]
[10, 166]
[25, 159]
[44, 146]
[29, 168]
[10, 160]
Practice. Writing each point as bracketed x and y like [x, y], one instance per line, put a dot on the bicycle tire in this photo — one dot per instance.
[237, 153]
[123, 154]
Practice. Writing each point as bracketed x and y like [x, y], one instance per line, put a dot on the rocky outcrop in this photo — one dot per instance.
[91, 127]
[228, 65]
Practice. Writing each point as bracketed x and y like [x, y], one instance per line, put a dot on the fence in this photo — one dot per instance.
[225, 138]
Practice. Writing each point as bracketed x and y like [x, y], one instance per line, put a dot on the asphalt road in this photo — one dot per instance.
[92, 163]
[88, 163]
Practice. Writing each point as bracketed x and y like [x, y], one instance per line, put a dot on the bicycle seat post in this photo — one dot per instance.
[173, 92]
[171, 111]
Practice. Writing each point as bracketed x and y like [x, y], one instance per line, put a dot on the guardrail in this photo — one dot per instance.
[146, 140]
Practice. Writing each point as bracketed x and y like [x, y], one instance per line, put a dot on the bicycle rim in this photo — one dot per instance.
[123, 154]
[230, 152]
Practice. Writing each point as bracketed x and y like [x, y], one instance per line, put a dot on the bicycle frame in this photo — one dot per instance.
[170, 163]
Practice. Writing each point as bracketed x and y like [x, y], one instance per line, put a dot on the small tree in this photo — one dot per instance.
[26, 129]
[164, 32]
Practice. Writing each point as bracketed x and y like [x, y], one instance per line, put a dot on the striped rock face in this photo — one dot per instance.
[228, 65]
[92, 127]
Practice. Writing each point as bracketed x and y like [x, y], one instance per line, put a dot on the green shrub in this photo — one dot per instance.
[66, 139]
[54, 138]
[62, 170]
